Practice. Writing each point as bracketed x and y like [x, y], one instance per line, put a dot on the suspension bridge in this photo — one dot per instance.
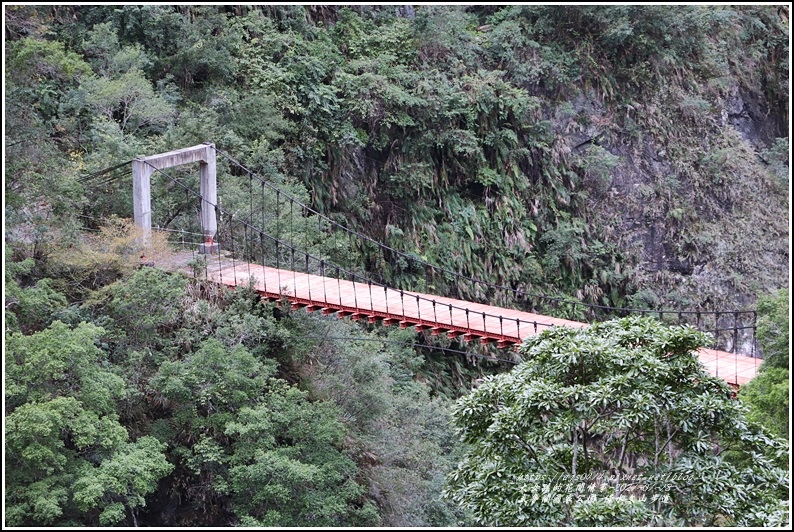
[275, 243]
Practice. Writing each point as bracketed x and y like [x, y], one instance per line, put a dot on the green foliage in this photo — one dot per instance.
[302, 479]
[31, 60]
[403, 439]
[44, 437]
[123, 480]
[189, 44]
[778, 158]
[597, 165]
[630, 41]
[230, 425]
[768, 393]
[276, 455]
[60, 361]
[66, 451]
[773, 329]
[214, 378]
[40, 169]
[147, 306]
[29, 308]
[768, 397]
[615, 423]
[106, 55]
[129, 100]
[46, 445]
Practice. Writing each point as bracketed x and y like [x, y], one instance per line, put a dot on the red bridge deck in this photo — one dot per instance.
[440, 315]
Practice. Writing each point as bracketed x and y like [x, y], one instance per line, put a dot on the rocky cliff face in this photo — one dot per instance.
[750, 115]
[704, 215]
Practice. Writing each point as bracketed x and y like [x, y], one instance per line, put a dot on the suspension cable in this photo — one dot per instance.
[518, 293]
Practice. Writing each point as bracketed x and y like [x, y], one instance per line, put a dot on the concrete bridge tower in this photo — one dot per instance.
[142, 170]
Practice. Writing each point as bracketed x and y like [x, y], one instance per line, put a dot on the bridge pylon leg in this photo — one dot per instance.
[209, 200]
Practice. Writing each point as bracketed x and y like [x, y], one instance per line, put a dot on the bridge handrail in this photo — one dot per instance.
[371, 282]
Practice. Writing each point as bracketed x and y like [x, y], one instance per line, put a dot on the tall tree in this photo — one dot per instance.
[616, 424]
[68, 459]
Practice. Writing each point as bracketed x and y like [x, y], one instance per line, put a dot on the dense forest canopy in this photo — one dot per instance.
[621, 155]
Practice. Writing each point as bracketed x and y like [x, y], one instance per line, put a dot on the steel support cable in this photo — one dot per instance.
[309, 279]
[355, 291]
[278, 239]
[306, 256]
[292, 252]
[101, 173]
[735, 331]
[294, 273]
[219, 218]
[752, 347]
[735, 355]
[322, 274]
[519, 293]
[369, 281]
[234, 254]
[336, 243]
[251, 255]
[371, 301]
[245, 256]
[264, 275]
[714, 345]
